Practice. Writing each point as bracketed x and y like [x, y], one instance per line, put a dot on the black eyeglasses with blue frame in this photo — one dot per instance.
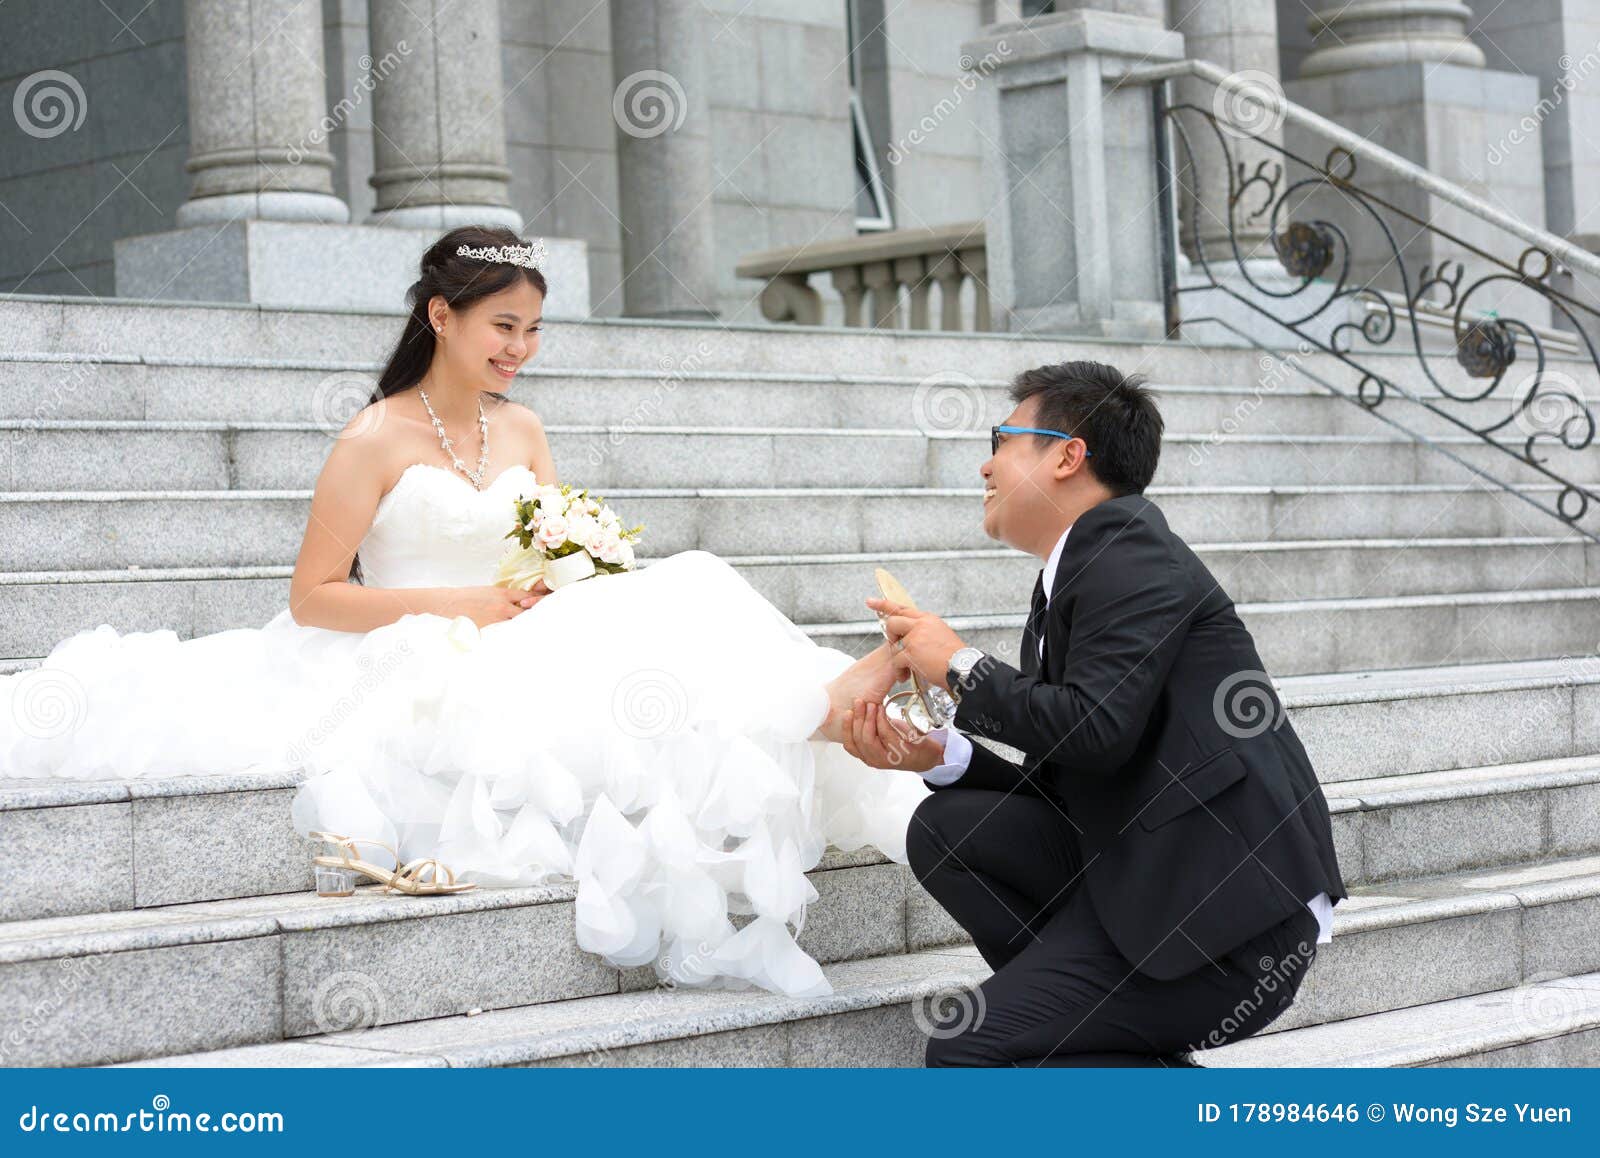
[996, 431]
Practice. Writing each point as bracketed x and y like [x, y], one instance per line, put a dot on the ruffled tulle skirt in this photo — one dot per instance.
[645, 733]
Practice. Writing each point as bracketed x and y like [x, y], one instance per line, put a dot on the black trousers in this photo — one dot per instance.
[1008, 868]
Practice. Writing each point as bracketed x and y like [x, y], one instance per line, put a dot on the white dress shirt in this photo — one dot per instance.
[958, 750]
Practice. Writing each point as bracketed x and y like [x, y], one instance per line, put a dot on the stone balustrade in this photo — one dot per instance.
[872, 274]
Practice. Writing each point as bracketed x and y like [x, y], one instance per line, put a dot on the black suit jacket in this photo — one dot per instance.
[1156, 730]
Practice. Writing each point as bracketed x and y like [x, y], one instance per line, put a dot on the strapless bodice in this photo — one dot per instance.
[433, 529]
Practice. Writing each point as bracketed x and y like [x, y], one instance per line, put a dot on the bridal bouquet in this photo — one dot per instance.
[564, 535]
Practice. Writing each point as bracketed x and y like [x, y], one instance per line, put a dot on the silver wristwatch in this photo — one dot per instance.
[960, 670]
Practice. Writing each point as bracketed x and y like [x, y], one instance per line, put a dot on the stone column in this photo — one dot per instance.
[663, 158]
[439, 137]
[256, 111]
[1404, 75]
[1073, 222]
[1375, 33]
[1240, 36]
[1554, 41]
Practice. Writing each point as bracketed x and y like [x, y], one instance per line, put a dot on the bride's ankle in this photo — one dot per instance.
[829, 728]
[838, 694]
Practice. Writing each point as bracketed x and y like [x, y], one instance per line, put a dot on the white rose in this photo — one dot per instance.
[553, 531]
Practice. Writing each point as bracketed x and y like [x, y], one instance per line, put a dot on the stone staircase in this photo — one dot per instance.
[1433, 638]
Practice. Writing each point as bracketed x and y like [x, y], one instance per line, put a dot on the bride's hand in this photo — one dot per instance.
[486, 605]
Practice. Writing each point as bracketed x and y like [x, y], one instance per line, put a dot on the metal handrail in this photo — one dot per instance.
[1572, 256]
[1552, 415]
[1439, 318]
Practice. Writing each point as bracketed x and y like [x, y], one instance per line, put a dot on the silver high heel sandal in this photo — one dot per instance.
[336, 875]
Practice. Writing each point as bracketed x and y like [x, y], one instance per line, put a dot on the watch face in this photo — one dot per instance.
[961, 665]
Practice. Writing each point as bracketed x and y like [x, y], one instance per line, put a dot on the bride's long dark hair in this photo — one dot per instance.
[461, 281]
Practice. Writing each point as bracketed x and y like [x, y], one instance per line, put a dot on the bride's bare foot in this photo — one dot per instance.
[869, 679]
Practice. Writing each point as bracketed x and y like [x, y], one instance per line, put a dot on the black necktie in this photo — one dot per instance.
[1033, 630]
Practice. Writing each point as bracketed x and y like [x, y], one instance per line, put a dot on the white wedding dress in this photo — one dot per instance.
[645, 733]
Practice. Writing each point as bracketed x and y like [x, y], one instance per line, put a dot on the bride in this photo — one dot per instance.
[665, 736]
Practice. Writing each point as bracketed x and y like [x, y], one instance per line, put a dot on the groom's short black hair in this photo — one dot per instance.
[1113, 412]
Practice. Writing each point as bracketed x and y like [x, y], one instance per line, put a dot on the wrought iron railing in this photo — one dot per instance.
[1351, 304]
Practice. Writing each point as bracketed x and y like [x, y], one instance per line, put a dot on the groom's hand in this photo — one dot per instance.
[872, 739]
[928, 641]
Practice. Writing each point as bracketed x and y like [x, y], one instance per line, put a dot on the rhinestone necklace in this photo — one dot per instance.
[476, 476]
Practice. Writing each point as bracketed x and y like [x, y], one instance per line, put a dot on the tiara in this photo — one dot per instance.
[531, 256]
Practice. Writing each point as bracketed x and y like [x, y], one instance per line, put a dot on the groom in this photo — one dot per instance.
[1155, 876]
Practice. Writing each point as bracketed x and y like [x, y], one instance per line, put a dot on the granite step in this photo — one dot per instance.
[177, 978]
[879, 1015]
[50, 454]
[1439, 940]
[1364, 724]
[1548, 1022]
[87, 846]
[39, 608]
[1401, 944]
[255, 390]
[36, 326]
[1346, 635]
[1397, 827]
[875, 1017]
[105, 529]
